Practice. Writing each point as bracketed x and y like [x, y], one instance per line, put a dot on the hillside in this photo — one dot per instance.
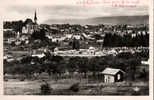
[103, 20]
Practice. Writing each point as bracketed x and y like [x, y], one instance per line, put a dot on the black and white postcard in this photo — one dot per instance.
[96, 48]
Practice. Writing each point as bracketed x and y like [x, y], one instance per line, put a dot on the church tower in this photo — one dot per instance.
[35, 18]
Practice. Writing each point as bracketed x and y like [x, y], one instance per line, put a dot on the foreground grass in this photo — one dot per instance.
[61, 87]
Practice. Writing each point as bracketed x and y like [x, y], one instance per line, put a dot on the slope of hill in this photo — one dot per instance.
[144, 19]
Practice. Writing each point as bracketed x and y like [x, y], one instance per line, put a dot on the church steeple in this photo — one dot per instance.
[35, 18]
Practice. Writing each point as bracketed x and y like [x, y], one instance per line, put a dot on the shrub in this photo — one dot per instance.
[22, 78]
[74, 87]
[45, 89]
[5, 79]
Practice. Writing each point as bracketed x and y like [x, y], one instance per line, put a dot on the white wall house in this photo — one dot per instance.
[112, 75]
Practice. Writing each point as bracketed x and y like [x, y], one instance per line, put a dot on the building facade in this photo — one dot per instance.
[112, 75]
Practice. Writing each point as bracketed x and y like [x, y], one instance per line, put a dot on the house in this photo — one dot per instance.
[112, 52]
[91, 50]
[38, 53]
[8, 58]
[144, 62]
[112, 75]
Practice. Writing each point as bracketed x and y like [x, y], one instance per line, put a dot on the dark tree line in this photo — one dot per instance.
[15, 25]
[75, 44]
[114, 40]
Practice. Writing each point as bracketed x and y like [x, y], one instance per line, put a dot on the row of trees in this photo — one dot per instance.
[15, 25]
[57, 65]
[114, 40]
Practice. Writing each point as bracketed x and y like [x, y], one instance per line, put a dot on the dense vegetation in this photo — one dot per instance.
[58, 66]
[114, 40]
[15, 25]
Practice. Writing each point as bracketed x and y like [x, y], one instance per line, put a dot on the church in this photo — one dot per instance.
[29, 26]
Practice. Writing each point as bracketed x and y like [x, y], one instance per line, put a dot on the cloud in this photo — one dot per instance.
[54, 11]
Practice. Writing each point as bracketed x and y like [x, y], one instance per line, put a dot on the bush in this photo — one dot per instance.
[74, 87]
[5, 79]
[45, 89]
[22, 79]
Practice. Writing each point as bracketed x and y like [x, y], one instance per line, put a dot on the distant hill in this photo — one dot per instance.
[144, 19]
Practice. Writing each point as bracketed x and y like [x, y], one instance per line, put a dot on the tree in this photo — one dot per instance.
[39, 34]
[125, 55]
[45, 88]
[133, 63]
[27, 59]
[83, 66]
[15, 25]
[72, 64]
[75, 44]
[115, 40]
[94, 66]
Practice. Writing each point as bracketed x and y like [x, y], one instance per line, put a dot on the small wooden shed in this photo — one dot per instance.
[112, 75]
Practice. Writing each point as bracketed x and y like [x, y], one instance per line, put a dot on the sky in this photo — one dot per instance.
[65, 9]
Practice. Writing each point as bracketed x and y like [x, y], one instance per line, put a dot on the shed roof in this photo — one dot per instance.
[91, 48]
[111, 71]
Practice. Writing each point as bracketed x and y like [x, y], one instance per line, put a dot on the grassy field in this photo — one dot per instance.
[61, 87]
